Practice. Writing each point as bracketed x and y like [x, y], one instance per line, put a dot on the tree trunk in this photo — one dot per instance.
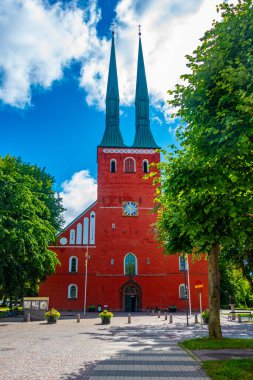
[214, 293]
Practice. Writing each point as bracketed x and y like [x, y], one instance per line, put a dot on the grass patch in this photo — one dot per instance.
[233, 369]
[206, 343]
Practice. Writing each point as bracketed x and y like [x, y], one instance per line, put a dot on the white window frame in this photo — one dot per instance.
[70, 264]
[136, 263]
[115, 161]
[143, 166]
[69, 287]
[185, 287]
[127, 158]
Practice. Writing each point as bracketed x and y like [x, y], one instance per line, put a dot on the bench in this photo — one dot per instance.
[232, 315]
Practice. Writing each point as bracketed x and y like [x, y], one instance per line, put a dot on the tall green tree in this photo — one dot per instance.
[30, 216]
[206, 194]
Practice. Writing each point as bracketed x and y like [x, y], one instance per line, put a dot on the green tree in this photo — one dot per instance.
[30, 216]
[206, 195]
[236, 286]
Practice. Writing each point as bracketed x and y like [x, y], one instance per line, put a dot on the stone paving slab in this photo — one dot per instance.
[69, 350]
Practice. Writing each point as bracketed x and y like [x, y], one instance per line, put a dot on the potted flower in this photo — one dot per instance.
[172, 308]
[92, 308]
[52, 315]
[205, 316]
[105, 317]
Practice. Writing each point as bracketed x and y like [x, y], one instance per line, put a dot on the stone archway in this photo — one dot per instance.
[131, 296]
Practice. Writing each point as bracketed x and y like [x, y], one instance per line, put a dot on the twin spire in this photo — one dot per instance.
[112, 135]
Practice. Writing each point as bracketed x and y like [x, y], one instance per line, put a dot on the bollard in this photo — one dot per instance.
[166, 316]
[78, 318]
[171, 318]
[159, 314]
[28, 317]
[153, 312]
[129, 318]
[239, 318]
[196, 318]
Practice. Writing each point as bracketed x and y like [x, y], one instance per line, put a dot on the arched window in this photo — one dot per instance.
[130, 265]
[113, 166]
[182, 263]
[129, 165]
[182, 292]
[72, 291]
[145, 166]
[73, 264]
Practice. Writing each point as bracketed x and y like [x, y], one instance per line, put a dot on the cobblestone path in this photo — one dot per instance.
[146, 349]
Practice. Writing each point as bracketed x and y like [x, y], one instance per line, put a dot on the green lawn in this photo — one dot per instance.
[233, 369]
[206, 343]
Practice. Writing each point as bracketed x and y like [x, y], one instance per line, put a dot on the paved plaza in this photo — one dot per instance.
[145, 349]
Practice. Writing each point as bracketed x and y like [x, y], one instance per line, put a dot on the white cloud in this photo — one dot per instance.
[38, 40]
[170, 30]
[77, 194]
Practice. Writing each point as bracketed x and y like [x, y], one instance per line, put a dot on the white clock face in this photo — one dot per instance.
[130, 208]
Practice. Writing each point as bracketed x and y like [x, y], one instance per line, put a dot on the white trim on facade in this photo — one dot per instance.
[179, 288]
[69, 289]
[132, 151]
[86, 230]
[92, 227]
[145, 161]
[115, 161]
[124, 165]
[79, 230]
[136, 262]
[70, 264]
[72, 235]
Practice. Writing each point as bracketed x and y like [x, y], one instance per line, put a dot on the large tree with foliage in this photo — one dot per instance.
[206, 193]
[30, 216]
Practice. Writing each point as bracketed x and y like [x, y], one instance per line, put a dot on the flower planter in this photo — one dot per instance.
[106, 321]
[206, 320]
[51, 319]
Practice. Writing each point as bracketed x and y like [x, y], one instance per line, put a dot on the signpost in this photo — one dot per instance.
[199, 287]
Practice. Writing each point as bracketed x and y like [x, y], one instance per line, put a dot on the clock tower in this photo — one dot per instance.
[127, 269]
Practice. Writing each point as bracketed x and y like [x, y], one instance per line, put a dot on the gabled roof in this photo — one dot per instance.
[79, 216]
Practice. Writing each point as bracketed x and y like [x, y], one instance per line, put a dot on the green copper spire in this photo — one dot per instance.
[143, 135]
[112, 135]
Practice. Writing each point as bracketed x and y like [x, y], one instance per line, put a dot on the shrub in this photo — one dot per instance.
[206, 315]
[52, 313]
[106, 314]
[92, 308]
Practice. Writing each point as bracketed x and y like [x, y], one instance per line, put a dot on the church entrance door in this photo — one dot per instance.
[131, 297]
[131, 303]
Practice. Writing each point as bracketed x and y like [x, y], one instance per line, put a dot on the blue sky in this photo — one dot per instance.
[53, 71]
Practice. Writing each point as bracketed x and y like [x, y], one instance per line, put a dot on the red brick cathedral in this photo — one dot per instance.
[126, 269]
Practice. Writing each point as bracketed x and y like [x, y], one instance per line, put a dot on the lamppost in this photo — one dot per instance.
[186, 293]
[85, 280]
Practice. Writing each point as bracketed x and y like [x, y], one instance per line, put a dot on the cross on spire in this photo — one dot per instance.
[139, 26]
[113, 27]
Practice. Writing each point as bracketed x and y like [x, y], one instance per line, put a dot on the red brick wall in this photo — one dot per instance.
[158, 280]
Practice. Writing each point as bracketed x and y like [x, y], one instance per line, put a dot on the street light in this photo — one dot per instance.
[85, 280]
